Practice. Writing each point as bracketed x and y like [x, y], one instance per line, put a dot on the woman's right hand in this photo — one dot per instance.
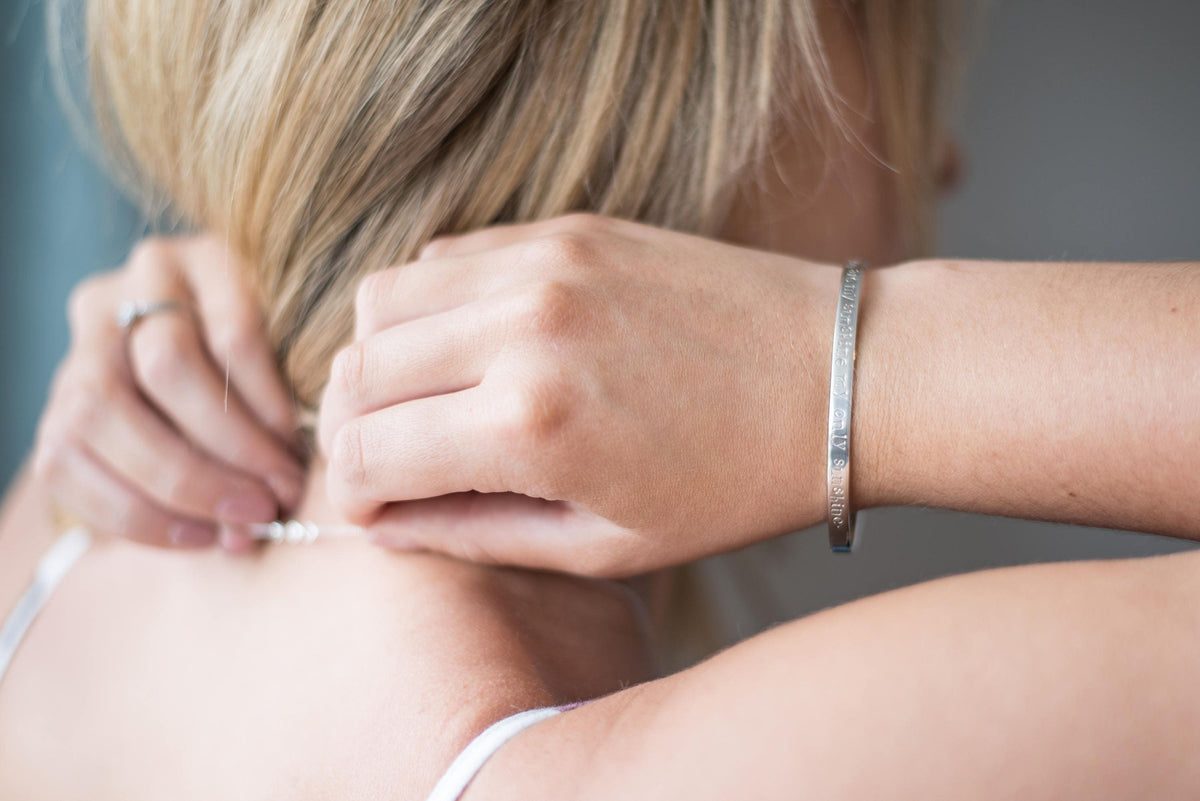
[173, 432]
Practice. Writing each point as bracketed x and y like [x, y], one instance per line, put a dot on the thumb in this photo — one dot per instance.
[504, 529]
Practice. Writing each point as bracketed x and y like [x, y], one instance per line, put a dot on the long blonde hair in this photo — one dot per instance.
[328, 139]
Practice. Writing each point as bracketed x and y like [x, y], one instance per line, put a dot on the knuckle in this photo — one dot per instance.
[86, 300]
[238, 339]
[101, 388]
[564, 251]
[372, 294]
[435, 248]
[72, 371]
[49, 459]
[78, 405]
[549, 309]
[175, 488]
[347, 458]
[347, 372]
[162, 360]
[79, 414]
[205, 239]
[534, 413]
[158, 366]
[149, 255]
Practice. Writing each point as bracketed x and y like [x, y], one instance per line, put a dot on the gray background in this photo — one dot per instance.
[1079, 121]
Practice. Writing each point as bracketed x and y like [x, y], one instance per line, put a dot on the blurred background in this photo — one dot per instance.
[1079, 124]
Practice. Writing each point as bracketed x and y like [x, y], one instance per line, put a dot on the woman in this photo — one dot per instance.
[927, 669]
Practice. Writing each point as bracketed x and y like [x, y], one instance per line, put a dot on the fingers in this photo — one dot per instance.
[110, 506]
[415, 290]
[478, 265]
[420, 449]
[175, 372]
[145, 452]
[509, 432]
[508, 529]
[234, 331]
[420, 289]
[165, 435]
[500, 236]
[91, 314]
[435, 355]
[92, 410]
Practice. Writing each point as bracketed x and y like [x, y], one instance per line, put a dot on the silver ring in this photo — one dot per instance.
[132, 312]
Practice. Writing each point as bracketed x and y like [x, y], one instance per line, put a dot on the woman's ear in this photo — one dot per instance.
[950, 165]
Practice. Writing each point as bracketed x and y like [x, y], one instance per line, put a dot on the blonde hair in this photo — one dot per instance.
[330, 139]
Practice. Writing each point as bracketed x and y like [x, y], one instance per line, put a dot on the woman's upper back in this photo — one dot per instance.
[327, 671]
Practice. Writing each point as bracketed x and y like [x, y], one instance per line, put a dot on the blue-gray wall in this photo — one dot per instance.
[59, 221]
[1080, 126]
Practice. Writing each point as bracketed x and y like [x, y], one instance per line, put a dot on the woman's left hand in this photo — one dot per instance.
[663, 394]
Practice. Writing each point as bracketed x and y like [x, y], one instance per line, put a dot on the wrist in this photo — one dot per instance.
[883, 379]
[886, 440]
[889, 446]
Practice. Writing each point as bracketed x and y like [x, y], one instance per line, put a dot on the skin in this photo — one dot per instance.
[525, 360]
[1068, 681]
[1018, 674]
[1099, 363]
[627, 398]
[147, 440]
[560, 375]
[1042, 682]
[172, 432]
[329, 671]
[646, 398]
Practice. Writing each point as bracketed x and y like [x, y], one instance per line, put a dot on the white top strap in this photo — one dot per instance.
[50, 571]
[467, 764]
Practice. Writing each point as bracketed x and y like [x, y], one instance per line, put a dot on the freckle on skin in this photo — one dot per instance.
[1071, 494]
[1174, 309]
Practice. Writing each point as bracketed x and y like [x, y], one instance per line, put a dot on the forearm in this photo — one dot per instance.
[1067, 392]
[1043, 682]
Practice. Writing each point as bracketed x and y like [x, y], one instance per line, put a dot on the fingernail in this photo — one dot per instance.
[191, 535]
[287, 489]
[248, 508]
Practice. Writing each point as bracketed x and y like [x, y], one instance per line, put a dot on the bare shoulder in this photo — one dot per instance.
[322, 672]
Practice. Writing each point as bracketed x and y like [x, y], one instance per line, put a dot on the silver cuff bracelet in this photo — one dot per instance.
[841, 394]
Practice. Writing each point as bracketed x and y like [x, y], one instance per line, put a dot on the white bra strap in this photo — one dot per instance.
[464, 767]
[50, 571]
